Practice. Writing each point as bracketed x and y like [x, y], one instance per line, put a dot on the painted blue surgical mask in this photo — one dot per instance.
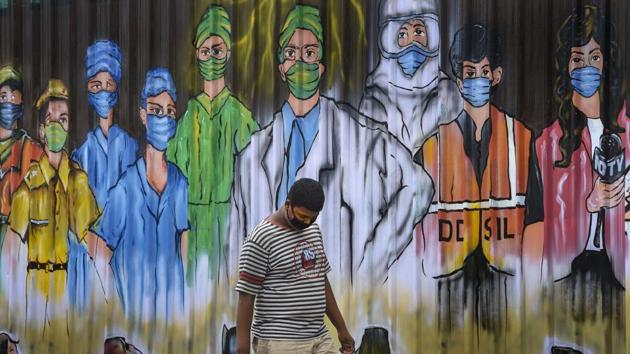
[160, 129]
[477, 91]
[103, 102]
[586, 80]
[412, 58]
[9, 113]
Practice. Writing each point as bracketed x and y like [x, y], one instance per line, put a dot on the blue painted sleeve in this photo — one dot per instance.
[131, 152]
[79, 155]
[181, 210]
[111, 225]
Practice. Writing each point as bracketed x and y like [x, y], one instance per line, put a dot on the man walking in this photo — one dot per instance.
[282, 270]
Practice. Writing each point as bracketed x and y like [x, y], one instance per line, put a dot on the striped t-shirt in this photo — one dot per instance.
[286, 271]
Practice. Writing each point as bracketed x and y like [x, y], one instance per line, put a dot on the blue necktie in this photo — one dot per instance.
[296, 152]
[294, 161]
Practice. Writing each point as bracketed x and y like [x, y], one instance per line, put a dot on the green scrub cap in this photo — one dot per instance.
[215, 21]
[304, 17]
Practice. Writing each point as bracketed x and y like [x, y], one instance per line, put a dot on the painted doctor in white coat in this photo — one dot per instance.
[368, 215]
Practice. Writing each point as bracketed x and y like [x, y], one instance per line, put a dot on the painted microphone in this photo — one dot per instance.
[609, 162]
[609, 158]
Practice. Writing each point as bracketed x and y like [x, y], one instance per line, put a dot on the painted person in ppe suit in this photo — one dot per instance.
[407, 90]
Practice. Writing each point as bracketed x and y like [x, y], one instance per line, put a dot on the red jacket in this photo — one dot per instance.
[565, 192]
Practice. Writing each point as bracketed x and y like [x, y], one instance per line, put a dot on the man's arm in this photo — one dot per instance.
[333, 313]
[253, 267]
[244, 315]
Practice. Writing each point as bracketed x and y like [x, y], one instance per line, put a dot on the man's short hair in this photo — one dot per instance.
[5, 339]
[110, 346]
[473, 43]
[307, 193]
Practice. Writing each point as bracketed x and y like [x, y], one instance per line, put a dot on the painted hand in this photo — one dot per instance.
[347, 342]
[606, 195]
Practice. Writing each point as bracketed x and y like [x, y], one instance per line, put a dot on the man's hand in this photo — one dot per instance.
[333, 313]
[244, 315]
[347, 342]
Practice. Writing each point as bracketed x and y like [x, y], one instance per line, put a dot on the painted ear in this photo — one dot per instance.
[497, 75]
[283, 75]
[143, 116]
[460, 85]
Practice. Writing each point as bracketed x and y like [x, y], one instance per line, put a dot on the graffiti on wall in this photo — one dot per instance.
[451, 219]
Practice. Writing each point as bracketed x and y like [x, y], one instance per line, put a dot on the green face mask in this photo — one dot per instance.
[55, 136]
[303, 79]
[212, 68]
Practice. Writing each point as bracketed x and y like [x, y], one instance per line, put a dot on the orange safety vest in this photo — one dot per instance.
[463, 213]
[23, 152]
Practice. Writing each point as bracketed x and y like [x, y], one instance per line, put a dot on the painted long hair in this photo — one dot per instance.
[585, 23]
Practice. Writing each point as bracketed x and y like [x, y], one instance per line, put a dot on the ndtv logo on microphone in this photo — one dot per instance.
[608, 169]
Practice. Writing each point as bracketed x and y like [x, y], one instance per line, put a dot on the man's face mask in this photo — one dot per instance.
[55, 136]
[103, 102]
[407, 41]
[477, 91]
[412, 58]
[303, 79]
[586, 80]
[9, 113]
[160, 129]
[294, 221]
[212, 68]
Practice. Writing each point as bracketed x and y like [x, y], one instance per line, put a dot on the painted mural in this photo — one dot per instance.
[474, 156]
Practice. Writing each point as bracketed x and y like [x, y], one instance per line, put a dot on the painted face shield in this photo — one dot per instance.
[411, 40]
